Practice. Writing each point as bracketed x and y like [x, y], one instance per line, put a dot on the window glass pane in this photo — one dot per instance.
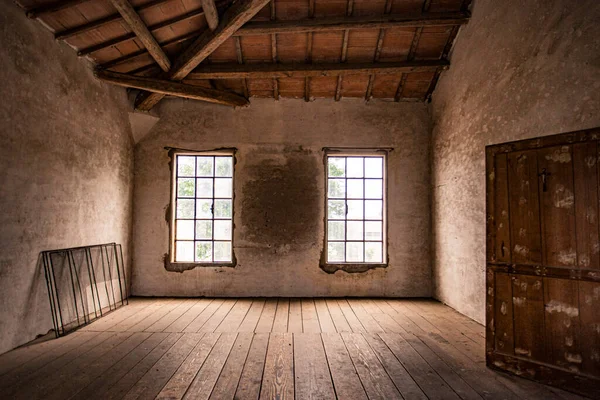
[184, 251]
[373, 209]
[373, 252]
[355, 167]
[335, 230]
[355, 188]
[204, 230]
[185, 230]
[337, 166]
[185, 187]
[203, 251]
[355, 230]
[374, 167]
[204, 187]
[223, 230]
[223, 187]
[355, 209]
[337, 188]
[336, 209]
[185, 166]
[185, 208]
[223, 251]
[203, 208]
[335, 252]
[222, 208]
[204, 166]
[373, 230]
[374, 189]
[224, 166]
[354, 252]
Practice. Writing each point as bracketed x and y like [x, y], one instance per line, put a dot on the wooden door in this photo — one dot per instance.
[543, 266]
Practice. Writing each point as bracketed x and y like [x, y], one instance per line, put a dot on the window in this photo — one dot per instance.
[203, 213]
[355, 229]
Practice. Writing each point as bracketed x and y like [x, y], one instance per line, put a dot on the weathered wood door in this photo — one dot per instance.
[543, 270]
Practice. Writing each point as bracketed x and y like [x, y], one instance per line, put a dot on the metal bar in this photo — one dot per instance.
[77, 248]
[118, 272]
[104, 275]
[112, 286]
[85, 313]
[73, 287]
[62, 324]
[87, 263]
[124, 274]
[88, 255]
[50, 294]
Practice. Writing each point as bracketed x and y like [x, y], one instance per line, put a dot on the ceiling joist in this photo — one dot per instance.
[211, 13]
[52, 7]
[178, 89]
[236, 16]
[141, 31]
[270, 71]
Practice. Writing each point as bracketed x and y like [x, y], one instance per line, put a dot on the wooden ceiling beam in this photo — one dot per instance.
[236, 16]
[349, 22]
[40, 11]
[211, 14]
[178, 89]
[271, 71]
[78, 30]
[140, 29]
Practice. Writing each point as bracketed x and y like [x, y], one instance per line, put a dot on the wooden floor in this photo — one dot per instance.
[267, 349]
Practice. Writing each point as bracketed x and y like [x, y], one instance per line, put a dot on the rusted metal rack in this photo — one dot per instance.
[84, 283]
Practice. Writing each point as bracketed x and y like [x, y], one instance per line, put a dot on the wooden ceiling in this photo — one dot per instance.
[226, 51]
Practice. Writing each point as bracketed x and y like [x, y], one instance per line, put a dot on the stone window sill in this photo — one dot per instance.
[350, 268]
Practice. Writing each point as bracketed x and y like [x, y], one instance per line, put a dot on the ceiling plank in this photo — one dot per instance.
[270, 71]
[141, 31]
[236, 16]
[39, 11]
[349, 22]
[178, 89]
[211, 14]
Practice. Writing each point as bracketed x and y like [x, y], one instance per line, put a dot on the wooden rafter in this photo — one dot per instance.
[309, 43]
[178, 89]
[270, 71]
[78, 30]
[201, 48]
[211, 13]
[338, 86]
[274, 51]
[152, 28]
[240, 59]
[141, 31]
[52, 7]
[378, 47]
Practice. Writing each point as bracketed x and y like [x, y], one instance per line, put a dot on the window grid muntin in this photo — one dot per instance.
[195, 241]
[364, 198]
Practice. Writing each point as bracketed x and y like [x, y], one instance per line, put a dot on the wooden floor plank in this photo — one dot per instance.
[251, 320]
[310, 321]
[235, 317]
[265, 323]
[280, 324]
[102, 383]
[325, 320]
[204, 316]
[373, 376]
[295, 316]
[54, 358]
[278, 376]
[138, 316]
[136, 305]
[170, 317]
[179, 383]
[85, 374]
[364, 317]
[53, 378]
[207, 376]
[341, 325]
[312, 376]
[215, 320]
[353, 322]
[156, 316]
[250, 382]
[345, 378]
[229, 378]
[159, 374]
[132, 377]
[191, 314]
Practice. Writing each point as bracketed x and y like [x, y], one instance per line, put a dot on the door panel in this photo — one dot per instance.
[543, 262]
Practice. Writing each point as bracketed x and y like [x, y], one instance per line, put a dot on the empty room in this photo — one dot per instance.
[300, 199]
